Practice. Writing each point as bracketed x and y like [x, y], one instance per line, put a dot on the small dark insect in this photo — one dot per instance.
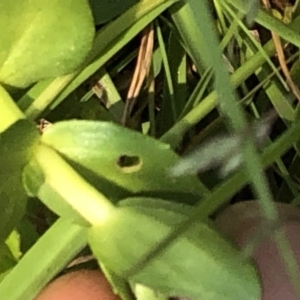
[43, 125]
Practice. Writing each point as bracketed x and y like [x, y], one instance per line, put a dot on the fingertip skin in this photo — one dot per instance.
[79, 285]
[243, 220]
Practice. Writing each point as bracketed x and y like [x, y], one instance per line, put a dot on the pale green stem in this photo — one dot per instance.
[83, 197]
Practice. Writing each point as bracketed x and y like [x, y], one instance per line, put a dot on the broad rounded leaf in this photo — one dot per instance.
[200, 264]
[106, 153]
[16, 146]
[41, 39]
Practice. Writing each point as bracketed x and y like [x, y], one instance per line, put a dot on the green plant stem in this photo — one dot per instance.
[175, 134]
[46, 98]
[84, 198]
[10, 113]
[198, 92]
[192, 36]
[255, 44]
[166, 65]
[151, 101]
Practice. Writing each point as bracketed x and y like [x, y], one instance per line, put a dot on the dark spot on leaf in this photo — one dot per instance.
[129, 164]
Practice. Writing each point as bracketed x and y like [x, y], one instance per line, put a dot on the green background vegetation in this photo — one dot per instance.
[128, 87]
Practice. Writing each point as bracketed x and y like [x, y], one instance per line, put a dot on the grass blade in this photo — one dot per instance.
[44, 260]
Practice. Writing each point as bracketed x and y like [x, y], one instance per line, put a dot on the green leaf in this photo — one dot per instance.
[108, 41]
[43, 39]
[107, 153]
[73, 191]
[10, 113]
[7, 260]
[16, 146]
[155, 204]
[9, 254]
[13, 243]
[106, 10]
[200, 265]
